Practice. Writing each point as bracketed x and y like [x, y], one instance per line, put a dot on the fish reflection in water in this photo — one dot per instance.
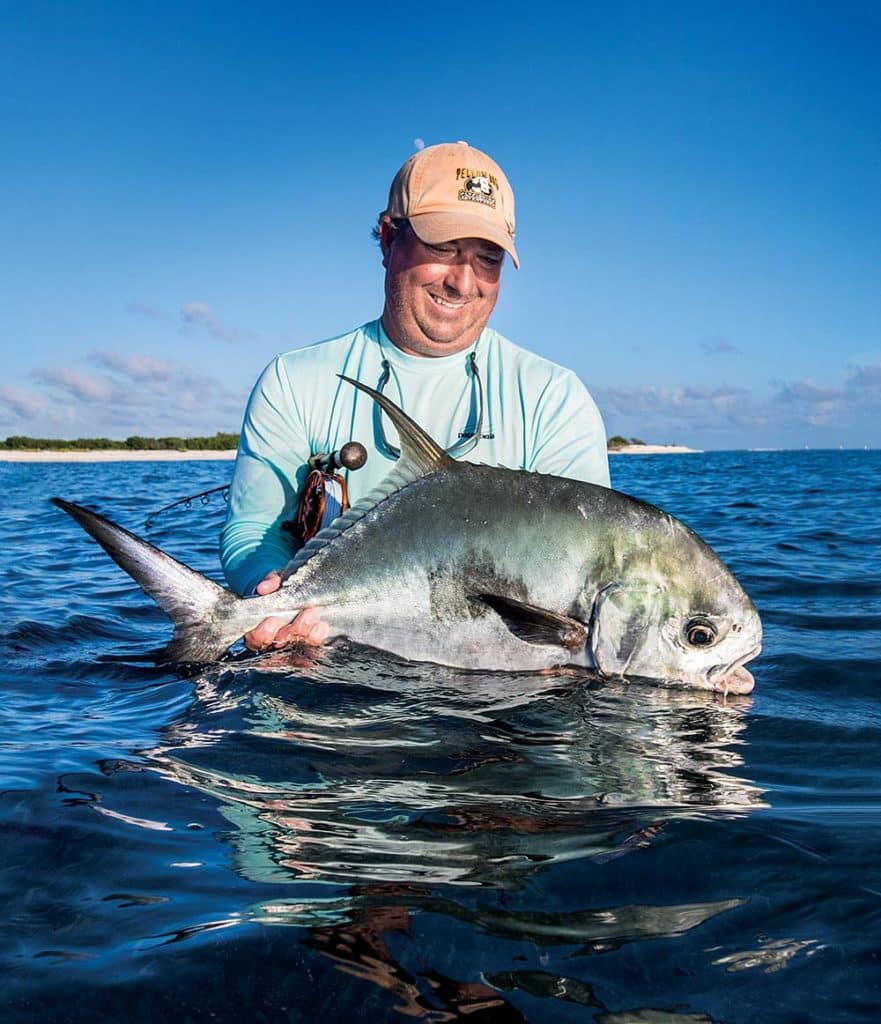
[380, 790]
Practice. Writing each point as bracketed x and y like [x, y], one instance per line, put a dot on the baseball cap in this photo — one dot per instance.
[453, 190]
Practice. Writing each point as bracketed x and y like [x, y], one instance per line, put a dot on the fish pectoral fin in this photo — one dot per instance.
[536, 625]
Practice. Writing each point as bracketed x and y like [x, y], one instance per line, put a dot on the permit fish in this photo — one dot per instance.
[481, 567]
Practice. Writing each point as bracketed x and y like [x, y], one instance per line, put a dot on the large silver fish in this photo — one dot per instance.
[487, 568]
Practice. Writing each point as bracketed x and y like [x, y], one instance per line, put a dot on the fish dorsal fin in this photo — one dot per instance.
[416, 446]
[421, 456]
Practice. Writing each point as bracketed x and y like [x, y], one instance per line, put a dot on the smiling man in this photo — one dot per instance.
[444, 236]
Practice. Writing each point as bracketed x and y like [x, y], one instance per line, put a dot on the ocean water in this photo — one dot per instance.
[360, 839]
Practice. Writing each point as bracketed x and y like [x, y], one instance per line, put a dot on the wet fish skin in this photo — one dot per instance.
[483, 568]
[627, 575]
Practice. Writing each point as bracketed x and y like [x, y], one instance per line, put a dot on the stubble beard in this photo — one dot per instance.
[425, 337]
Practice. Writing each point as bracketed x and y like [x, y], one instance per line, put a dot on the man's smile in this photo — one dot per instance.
[447, 303]
[438, 297]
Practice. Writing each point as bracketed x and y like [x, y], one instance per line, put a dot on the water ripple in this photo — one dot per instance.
[365, 839]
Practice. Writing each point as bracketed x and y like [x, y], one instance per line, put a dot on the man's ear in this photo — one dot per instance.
[387, 234]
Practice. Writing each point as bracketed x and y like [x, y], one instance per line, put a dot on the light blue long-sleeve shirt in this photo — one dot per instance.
[538, 416]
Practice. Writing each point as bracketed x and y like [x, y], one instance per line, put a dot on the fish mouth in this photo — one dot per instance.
[735, 678]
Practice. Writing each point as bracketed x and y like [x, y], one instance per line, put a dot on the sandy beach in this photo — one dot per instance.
[653, 449]
[113, 455]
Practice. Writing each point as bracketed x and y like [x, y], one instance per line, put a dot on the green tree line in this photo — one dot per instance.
[620, 442]
[219, 442]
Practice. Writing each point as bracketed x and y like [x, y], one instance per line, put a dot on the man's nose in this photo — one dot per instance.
[460, 277]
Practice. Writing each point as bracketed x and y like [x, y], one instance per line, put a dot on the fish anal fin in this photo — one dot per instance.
[536, 625]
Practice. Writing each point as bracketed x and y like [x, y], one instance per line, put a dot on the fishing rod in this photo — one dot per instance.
[324, 493]
[203, 496]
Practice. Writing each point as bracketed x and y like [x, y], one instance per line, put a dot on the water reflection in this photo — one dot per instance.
[448, 777]
[378, 792]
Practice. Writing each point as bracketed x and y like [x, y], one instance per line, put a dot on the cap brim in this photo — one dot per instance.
[436, 228]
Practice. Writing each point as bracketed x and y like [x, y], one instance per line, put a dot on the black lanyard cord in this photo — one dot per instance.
[465, 444]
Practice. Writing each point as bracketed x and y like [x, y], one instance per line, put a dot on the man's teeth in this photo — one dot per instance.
[449, 305]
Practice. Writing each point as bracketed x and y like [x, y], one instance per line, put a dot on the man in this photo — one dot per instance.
[444, 235]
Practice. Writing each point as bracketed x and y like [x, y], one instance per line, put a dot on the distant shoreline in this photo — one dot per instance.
[113, 455]
[135, 455]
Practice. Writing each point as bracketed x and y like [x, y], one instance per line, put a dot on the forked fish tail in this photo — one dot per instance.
[204, 614]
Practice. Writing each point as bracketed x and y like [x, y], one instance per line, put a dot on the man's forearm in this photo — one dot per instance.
[248, 554]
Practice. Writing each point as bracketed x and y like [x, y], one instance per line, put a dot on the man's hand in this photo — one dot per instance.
[276, 631]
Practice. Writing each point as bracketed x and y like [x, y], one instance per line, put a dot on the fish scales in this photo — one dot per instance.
[427, 554]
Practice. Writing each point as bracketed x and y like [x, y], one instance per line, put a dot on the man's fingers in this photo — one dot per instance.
[265, 632]
[269, 584]
[306, 628]
[275, 631]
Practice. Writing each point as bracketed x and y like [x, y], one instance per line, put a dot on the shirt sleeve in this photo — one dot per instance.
[270, 467]
[569, 437]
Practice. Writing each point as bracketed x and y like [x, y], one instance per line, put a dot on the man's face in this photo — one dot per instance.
[438, 298]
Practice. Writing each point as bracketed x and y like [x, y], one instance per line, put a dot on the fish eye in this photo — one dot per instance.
[700, 632]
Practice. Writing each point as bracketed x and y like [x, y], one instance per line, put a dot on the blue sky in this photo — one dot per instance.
[188, 189]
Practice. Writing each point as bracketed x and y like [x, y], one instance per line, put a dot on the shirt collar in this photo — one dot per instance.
[424, 364]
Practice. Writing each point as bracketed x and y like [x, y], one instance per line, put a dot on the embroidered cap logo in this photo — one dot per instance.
[479, 186]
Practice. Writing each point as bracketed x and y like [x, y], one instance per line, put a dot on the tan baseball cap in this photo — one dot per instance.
[453, 190]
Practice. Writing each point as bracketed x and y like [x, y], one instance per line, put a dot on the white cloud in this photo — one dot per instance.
[131, 394]
[689, 403]
[865, 380]
[797, 412]
[135, 367]
[698, 416]
[80, 386]
[23, 404]
[806, 392]
[199, 314]
[851, 405]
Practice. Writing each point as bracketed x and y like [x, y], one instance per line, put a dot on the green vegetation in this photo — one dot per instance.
[620, 442]
[219, 442]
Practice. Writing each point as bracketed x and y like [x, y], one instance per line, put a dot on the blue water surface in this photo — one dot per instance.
[361, 839]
